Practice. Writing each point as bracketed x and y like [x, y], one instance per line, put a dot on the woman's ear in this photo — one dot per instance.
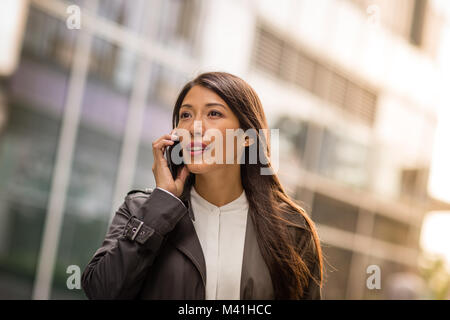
[248, 141]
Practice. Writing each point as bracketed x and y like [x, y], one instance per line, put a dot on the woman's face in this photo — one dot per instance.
[201, 110]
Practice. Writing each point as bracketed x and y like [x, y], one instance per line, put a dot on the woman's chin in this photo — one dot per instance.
[200, 168]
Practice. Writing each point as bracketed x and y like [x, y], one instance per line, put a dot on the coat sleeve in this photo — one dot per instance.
[314, 291]
[308, 252]
[118, 267]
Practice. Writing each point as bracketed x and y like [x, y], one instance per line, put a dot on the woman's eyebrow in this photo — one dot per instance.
[210, 104]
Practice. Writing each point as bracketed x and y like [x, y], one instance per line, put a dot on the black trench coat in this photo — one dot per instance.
[151, 251]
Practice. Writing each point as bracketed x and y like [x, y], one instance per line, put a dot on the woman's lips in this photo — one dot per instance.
[196, 148]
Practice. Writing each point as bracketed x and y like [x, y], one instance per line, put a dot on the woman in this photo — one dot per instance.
[218, 230]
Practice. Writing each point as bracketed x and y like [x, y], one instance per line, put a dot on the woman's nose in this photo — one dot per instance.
[197, 128]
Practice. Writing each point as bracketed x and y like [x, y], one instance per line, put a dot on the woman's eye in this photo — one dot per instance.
[215, 113]
[212, 113]
[184, 113]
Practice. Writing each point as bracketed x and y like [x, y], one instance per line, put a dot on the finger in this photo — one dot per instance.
[159, 148]
[172, 137]
[162, 145]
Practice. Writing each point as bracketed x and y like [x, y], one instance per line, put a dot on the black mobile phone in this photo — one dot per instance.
[173, 167]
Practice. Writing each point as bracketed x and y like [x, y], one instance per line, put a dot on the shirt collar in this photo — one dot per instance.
[238, 204]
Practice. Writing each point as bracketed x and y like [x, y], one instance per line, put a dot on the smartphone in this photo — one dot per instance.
[173, 167]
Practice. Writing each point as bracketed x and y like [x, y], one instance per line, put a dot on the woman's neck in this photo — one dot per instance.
[220, 186]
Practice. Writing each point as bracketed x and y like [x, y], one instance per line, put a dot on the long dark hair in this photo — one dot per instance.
[289, 271]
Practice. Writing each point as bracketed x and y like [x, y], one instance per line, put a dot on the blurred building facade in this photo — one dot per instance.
[337, 77]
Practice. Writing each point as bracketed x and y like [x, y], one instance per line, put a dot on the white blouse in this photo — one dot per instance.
[221, 231]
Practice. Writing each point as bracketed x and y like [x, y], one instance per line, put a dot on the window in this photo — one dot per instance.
[283, 60]
[174, 24]
[390, 230]
[389, 272]
[27, 151]
[125, 13]
[48, 39]
[396, 15]
[418, 20]
[337, 270]
[334, 213]
[112, 65]
[165, 84]
[295, 132]
[414, 183]
[344, 160]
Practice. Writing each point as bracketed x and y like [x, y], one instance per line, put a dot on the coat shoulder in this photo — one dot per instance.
[139, 192]
[136, 197]
[296, 218]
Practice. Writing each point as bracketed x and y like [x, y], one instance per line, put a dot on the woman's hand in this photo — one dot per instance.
[161, 171]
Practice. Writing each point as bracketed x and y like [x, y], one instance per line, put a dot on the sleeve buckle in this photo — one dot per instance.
[136, 230]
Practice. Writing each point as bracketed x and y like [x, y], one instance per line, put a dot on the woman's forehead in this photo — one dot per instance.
[199, 96]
